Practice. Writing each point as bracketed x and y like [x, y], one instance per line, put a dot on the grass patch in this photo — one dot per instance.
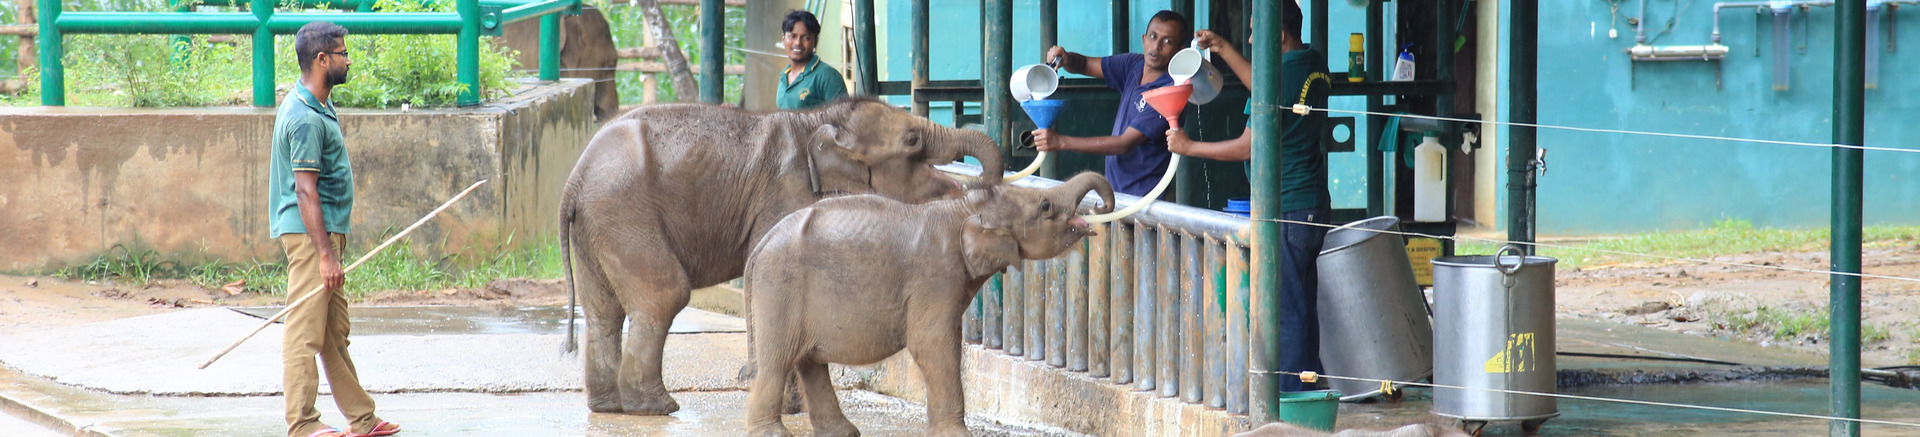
[1725, 237]
[399, 267]
[1793, 323]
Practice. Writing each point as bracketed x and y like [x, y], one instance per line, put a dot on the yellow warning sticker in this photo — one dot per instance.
[1422, 251]
[1516, 358]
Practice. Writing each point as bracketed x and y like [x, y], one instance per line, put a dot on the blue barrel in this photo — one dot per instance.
[1240, 206]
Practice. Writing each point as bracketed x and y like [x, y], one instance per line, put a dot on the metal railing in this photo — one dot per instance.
[1159, 300]
[471, 19]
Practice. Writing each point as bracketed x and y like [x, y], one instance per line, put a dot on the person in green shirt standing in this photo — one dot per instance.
[310, 205]
[1303, 183]
[806, 82]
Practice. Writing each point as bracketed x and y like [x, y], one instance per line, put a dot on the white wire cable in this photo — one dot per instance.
[1595, 398]
[1613, 131]
[1612, 252]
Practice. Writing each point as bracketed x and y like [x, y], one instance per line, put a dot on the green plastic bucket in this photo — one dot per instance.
[1310, 409]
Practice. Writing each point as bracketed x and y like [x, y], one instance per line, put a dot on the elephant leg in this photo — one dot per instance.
[823, 407]
[652, 287]
[937, 351]
[604, 322]
[773, 371]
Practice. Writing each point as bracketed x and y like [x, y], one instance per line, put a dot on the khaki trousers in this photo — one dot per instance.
[318, 327]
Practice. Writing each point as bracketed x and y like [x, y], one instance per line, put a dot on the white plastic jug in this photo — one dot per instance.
[1430, 180]
[1034, 82]
[1190, 66]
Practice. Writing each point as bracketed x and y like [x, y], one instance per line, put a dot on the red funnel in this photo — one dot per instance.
[1169, 101]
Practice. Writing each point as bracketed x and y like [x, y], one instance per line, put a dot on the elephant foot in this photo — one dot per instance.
[770, 430]
[659, 405]
[841, 428]
[952, 432]
[605, 404]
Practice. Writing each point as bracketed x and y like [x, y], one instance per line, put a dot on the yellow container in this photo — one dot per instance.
[1357, 57]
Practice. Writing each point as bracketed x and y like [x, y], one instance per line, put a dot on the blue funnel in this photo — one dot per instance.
[1043, 111]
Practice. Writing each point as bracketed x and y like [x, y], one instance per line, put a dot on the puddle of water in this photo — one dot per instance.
[1582, 418]
[495, 320]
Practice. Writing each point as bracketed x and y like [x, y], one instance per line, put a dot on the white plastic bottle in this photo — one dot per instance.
[1403, 67]
[1430, 179]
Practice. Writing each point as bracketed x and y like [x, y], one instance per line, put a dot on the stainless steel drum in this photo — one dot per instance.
[1373, 318]
[1493, 320]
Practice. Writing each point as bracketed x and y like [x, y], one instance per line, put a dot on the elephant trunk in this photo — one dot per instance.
[1075, 189]
[984, 149]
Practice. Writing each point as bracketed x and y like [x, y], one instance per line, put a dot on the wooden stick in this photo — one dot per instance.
[363, 258]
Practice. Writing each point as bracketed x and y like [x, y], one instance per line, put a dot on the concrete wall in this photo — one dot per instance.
[191, 183]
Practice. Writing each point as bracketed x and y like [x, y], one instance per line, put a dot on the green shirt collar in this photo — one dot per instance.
[804, 73]
[324, 108]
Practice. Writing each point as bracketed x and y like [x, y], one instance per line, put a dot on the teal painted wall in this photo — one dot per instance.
[1607, 183]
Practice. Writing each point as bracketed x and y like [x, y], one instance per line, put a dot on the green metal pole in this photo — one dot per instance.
[182, 44]
[263, 55]
[865, 50]
[1266, 207]
[467, 52]
[1185, 179]
[1524, 55]
[1122, 15]
[53, 83]
[920, 61]
[1376, 125]
[996, 70]
[1049, 37]
[713, 57]
[1319, 25]
[1849, 128]
[550, 47]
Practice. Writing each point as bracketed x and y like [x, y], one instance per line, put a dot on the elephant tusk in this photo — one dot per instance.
[1173, 166]
[1031, 168]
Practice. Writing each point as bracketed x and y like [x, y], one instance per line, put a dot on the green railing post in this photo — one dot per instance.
[1122, 14]
[866, 83]
[550, 47]
[1849, 128]
[182, 44]
[1265, 313]
[1523, 74]
[713, 57]
[995, 71]
[1049, 37]
[53, 83]
[1376, 125]
[467, 52]
[263, 55]
[920, 62]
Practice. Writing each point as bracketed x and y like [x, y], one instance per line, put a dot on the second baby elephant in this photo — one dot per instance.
[853, 280]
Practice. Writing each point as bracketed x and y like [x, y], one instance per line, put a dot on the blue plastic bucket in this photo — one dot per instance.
[1239, 206]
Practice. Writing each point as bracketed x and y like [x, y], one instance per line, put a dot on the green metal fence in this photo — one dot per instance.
[470, 20]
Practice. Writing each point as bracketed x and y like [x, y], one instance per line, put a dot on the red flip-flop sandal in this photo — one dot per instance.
[330, 432]
[381, 429]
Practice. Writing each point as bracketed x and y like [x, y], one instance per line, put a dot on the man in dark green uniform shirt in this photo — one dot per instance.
[806, 82]
[1303, 184]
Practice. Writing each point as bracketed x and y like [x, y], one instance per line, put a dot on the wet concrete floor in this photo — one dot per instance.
[1588, 418]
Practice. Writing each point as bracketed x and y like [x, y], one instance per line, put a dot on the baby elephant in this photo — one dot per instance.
[853, 280]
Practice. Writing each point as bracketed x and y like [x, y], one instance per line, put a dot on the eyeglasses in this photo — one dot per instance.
[342, 53]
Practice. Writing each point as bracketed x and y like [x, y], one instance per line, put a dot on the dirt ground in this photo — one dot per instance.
[1691, 298]
[1715, 300]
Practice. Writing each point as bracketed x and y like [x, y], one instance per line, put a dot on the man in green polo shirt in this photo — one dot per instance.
[1303, 184]
[310, 205]
[806, 82]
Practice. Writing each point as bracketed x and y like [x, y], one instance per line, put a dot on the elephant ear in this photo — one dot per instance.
[836, 142]
[987, 248]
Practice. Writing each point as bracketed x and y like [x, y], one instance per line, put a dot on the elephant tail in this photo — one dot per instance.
[567, 206]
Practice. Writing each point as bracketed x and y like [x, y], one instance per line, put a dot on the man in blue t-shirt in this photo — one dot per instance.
[1137, 150]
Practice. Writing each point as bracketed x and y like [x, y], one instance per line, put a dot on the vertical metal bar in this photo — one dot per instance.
[1098, 307]
[1014, 303]
[1376, 125]
[1145, 367]
[1056, 331]
[1037, 282]
[1849, 128]
[550, 47]
[1122, 16]
[1237, 343]
[1319, 10]
[1049, 37]
[920, 62]
[1266, 206]
[467, 51]
[263, 55]
[1193, 357]
[868, 82]
[713, 57]
[1121, 297]
[996, 69]
[970, 320]
[1076, 323]
[53, 80]
[990, 312]
[1169, 292]
[1214, 311]
[1522, 86]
